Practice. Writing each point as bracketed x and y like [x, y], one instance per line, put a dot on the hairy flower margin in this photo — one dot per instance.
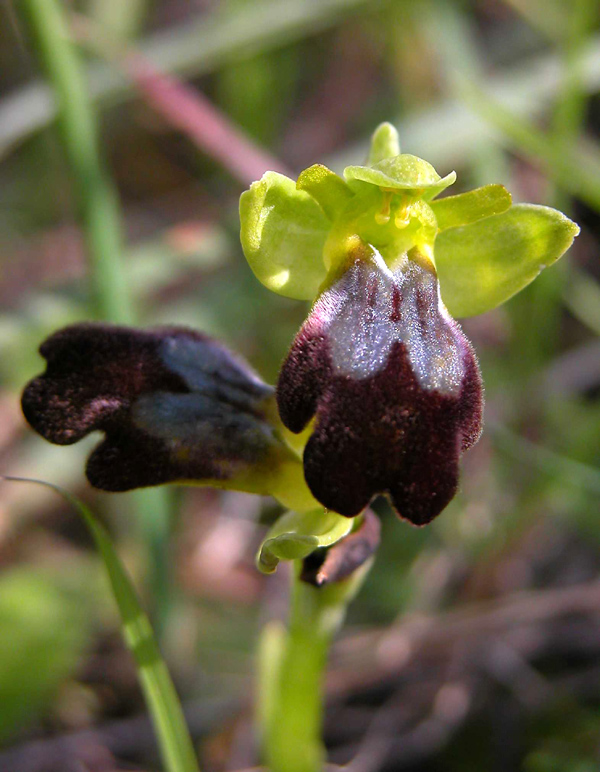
[380, 392]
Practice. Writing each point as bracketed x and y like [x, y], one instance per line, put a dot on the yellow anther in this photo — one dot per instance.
[402, 218]
[383, 216]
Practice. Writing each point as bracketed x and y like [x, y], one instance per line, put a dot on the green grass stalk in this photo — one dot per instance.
[576, 170]
[96, 195]
[176, 747]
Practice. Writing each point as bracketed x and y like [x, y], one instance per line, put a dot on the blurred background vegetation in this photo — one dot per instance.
[475, 643]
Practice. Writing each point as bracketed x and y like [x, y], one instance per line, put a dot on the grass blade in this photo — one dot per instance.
[176, 746]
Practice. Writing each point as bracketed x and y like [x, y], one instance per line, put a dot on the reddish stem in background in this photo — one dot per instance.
[192, 113]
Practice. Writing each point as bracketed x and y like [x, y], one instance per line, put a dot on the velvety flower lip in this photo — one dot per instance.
[174, 405]
[394, 388]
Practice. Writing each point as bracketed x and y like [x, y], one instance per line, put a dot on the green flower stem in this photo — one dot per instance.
[101, 222]
[292, 671]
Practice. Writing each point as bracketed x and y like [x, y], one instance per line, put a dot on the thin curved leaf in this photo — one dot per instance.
[161, 698]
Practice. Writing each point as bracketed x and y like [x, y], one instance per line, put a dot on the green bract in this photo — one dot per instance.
[298, 236]
[295, 535]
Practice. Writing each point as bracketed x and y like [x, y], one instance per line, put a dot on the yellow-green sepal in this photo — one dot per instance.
[483, 264]
[283, 231]
[385, 143]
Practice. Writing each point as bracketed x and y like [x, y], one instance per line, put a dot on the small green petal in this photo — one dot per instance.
[403, 172]
[483, 264]
[283, 231]
[329, 190]
[385, 143]
[295, 535]
[434, 190]
[453, 211]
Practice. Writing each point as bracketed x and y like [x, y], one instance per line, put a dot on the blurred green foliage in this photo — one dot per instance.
[45, 627]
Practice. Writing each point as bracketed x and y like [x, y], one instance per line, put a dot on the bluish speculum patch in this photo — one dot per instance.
[399, 307]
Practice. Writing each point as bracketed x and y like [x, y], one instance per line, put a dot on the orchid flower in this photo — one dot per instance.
[380, 392]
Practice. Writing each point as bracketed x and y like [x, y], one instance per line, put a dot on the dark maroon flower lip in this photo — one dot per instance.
[394, 387]
[174, 405]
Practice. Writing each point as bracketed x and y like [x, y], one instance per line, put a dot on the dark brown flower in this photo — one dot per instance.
[174, 405]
